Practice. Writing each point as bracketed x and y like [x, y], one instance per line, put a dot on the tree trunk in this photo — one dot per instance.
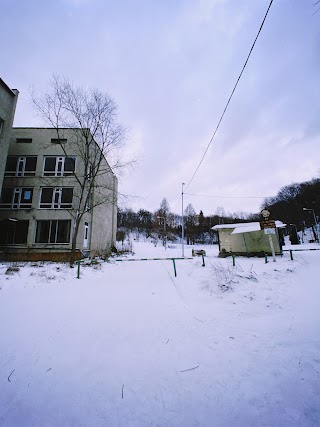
[73, 243]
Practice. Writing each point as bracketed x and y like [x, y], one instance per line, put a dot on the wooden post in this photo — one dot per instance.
[272, 247]
[203, 263]
[291, 257]
[265, 258]
[174, 267]
[78, 270]
[233, 260]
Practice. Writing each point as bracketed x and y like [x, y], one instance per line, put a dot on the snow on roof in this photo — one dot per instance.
[255, 227]
[245, 227]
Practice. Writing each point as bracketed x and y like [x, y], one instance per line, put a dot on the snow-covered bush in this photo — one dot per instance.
[222, 275]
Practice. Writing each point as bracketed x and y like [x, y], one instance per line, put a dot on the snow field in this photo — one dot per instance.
[129, 344]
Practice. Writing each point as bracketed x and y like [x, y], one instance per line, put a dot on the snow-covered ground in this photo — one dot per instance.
[130, 344]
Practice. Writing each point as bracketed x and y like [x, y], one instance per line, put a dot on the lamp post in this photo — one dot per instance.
[182, 225]
[315, 222]
[164, 231]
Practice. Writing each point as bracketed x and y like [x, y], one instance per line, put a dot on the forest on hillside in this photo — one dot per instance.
[297, 205]
[165, 225]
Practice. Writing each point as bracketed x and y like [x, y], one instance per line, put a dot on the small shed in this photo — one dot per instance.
[247, 239]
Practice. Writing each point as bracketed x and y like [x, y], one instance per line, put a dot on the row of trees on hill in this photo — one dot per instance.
[296, 203]
[164, 224]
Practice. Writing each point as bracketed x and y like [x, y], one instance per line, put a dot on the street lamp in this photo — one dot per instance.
[315, 222]
[164, 230]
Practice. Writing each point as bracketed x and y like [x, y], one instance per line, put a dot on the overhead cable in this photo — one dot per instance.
[229, 197]
[230, 97]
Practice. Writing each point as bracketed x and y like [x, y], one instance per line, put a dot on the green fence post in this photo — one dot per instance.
[174, 267]
[233, 260]
[265, 258]
[78, 270]
[291, 255]
[203, 263]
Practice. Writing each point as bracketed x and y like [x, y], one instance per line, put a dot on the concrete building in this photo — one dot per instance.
[8, 101]
[247, 239]
[43, 192]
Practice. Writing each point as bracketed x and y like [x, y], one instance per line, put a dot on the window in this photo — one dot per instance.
[54, 231]
[58, 166]
[58, 141]
[21, 166]
[56, 197]
[13, 232]
[16, 198]
[24, 140]
[1, 125]
[88, 203]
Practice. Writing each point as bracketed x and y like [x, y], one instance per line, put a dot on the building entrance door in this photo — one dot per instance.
[86, 235]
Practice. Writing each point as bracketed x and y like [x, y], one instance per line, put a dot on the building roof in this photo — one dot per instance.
[244, 227]
[5, 86]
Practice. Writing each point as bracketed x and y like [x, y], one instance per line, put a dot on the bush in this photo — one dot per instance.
[223, 276]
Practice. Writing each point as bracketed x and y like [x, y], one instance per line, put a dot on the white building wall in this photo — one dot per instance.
[101, 218]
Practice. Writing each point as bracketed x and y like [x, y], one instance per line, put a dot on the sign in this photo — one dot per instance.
[269, 231]
[267, 224]
[265, 213]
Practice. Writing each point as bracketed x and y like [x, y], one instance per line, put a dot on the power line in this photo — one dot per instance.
[229, 197]
[230, 97]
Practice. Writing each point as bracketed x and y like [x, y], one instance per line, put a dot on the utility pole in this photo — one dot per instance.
[182, 225]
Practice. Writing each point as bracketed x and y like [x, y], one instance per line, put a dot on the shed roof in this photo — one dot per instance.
[244, 227]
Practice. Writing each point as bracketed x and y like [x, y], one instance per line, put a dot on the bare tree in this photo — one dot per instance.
[190, 223]
[92, 117]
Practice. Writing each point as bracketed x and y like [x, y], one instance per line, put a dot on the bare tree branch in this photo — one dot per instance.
[98, 141]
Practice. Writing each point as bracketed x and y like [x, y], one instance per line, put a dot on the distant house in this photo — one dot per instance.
[247, 239]
[39, 194]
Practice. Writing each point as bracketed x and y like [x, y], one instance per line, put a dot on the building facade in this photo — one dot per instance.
[47, 188]
[8, 101]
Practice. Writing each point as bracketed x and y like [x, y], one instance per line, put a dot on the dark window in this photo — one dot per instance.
[49, 166]
[1, 125]
[6, 198]
[53, 231]
[21, 166]
[13, 232]
[63, 231]
[16, 198]
[56, 198]
[24, 140]
[66, 196]
[58, 140]
[31, 165]
[11, 164]
[69, 164]
[59, 166]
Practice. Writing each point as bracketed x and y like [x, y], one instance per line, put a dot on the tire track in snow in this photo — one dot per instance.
[185, 305]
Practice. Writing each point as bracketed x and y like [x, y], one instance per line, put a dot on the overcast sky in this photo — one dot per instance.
[171, 65]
